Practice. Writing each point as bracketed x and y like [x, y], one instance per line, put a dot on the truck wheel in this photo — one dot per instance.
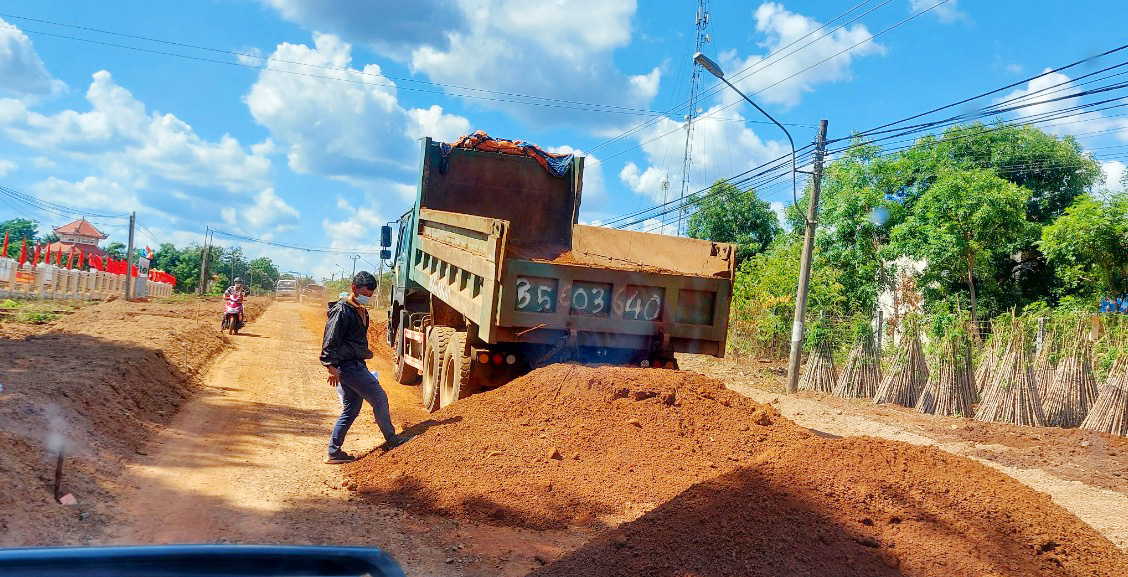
[437, 340]
[404, 373]
[455, 381]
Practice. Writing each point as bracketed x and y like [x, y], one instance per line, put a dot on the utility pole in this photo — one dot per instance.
[205, 253]
[354, 257]
[805, 263]
[129, 259]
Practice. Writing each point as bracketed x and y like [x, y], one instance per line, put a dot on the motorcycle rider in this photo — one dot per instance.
[234, 297]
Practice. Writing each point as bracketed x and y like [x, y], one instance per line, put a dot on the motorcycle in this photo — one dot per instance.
[232, 316]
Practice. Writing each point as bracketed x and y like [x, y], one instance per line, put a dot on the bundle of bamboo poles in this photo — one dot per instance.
[988, 362]
[1072, 391]
[950, 390]
[1044, 366]
[819, 374]
[1110, 412]
[863, 371]
[907, 375]
[1011, 396]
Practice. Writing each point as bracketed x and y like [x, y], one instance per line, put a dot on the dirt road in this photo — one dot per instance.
[242, 461]
[1094, 491]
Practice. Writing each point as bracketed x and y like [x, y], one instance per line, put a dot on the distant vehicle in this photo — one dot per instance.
[494, 277]
[286, 289]
[314, 294]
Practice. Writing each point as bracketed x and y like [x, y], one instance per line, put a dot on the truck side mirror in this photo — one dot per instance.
[385, 236]
[385, 254]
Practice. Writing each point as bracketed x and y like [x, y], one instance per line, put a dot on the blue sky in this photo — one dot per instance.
[297, 120]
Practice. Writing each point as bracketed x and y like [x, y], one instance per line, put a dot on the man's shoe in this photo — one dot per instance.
[339, 457]
[395, 441]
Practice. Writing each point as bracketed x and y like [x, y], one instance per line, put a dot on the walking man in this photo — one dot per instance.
[344, 348]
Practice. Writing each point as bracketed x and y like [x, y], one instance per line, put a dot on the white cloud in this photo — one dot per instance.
[43, 163]
[656, 226]
[720, 148]
[389, 26]
[947, 11]
[509, 44]
[1040, 99]
[780, 73]
[270, 212]
[7, 166]
[352, 127]
[652, 182]
[118, 134]
[361, 228]
[1113, 173]
[562, 49]
[20, 66]
[93, 192]
[432, 122]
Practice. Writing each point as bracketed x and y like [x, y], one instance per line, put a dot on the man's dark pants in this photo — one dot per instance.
[356, 386]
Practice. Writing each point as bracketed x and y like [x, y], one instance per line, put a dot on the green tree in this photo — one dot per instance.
[966, 222]
[19, 229]
[727, 214]
[858, 210]
[1055, 170]
[763, 303]
[262, 273]
[115, 250]
[1088, 246]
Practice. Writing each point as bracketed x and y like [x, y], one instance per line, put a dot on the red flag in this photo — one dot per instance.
[4, 253]
[70, 258]
[47, 257]
[23, 251]
[35, 259]
[96, 262]
[81, 255]
[59, 257]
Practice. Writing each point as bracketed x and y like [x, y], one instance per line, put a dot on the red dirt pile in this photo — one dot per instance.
[100, 378]
[707, 482]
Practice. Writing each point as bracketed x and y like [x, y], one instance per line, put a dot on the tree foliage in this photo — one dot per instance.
[1088, 246]
[728, 214]
[19, 229]
[964, 223]
[763, 303]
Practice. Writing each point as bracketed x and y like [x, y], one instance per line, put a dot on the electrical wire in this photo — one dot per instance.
[327, 250]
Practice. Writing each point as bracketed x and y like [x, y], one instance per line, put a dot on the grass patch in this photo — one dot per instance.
[36, 312]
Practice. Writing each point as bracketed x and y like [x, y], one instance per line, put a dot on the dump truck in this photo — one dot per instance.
[493, 276]
[286, 289]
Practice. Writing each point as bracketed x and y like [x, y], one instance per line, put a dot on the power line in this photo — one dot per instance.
[827, 59]
[773, 57]
[292, 246]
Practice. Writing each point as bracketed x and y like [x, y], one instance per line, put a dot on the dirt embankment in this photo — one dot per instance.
[96, 381]
[679, 476]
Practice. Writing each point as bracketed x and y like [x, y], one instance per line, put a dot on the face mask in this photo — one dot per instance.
[363, 299]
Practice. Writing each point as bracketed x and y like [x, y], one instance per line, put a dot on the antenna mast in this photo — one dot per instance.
[694, 84]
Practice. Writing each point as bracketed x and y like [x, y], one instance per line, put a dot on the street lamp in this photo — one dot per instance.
[805, 265]
[715, 70]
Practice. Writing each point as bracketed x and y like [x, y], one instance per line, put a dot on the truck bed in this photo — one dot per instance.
[633, 251]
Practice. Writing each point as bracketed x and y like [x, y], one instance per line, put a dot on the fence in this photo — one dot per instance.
[45, 281]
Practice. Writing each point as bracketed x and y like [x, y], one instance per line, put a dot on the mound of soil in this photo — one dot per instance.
[99, 380]
[696, 480]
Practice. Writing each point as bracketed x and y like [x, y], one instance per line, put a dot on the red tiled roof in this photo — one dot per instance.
[87, 249]
[80, 227]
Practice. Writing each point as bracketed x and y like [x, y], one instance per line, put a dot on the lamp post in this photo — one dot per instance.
[805, 263]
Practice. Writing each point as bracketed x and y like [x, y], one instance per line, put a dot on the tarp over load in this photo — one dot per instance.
[556, 164]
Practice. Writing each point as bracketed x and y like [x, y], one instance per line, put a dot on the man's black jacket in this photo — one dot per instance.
[346, 335]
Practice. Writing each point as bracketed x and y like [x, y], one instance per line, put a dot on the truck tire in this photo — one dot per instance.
[404, 373]
[437, 340]
[455, 381]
